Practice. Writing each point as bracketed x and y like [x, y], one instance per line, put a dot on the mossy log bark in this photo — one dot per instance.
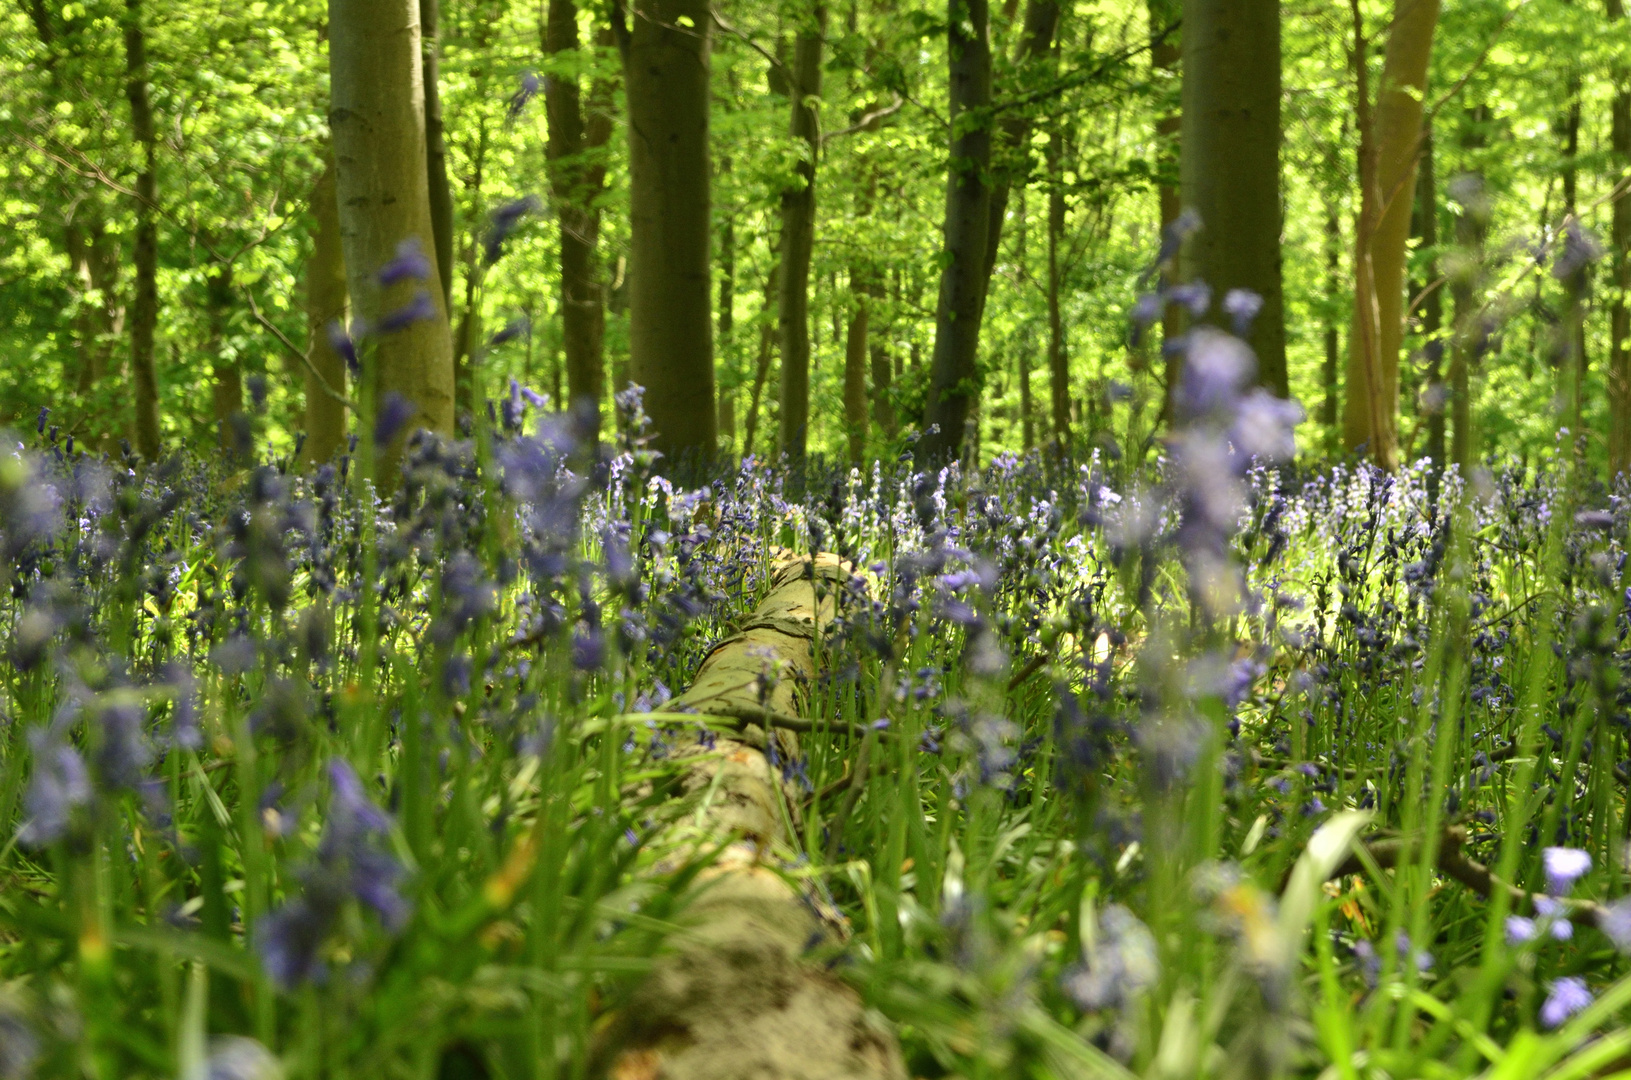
[738, 996]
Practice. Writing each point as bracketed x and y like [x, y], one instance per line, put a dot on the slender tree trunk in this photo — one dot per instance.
[855, 365]
[670, 318]
[798, 238]
[1331, 367]
[1466, 292]
[1165, 53]
[1010, 154]
[577, 175]
[441, 193]
[1424, 227]
[953, 375]
[1572, 369]
[1619, 370]
[767, 349]
[468, 335]
[1390, 142]
[227, 385]
[325, 304]
[883, 364]
[144, 308]
[377, 117]
[1058, 358]
[1022, 358]
[1229, 165]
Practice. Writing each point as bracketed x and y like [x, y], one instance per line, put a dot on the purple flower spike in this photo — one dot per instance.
[394, 413]
[1242, 306]
[512, 330]
[410, 263]
[506, 219]
[1564, 866]
[341, 343]
[1569, 995]
[518, 101]
[1519, 930]
[420, 309]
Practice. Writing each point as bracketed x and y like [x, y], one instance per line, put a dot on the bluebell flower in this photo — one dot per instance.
[505, 220]
[420, 309]
[342, 344]
[512, 330]
[410, 264]
[1117, 967]
[1567, 996]
[1564, 866]
[238, 1057]
[58, 785]
[1242, 306]
[518, 101]
[1519, 930]
[392, 416]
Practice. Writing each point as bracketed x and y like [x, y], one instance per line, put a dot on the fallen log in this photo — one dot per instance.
[738, 996]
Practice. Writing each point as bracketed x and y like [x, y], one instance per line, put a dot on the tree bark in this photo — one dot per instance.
[1229, 165]
[227, 384]
[767, 349]
[377, 117]
[441, 193]
[1011, 152]
[1424, 226]
[1619, 371]
[1166, 51]
[953, 375]
[144, 308]
[1573, 361]
[855, 365]
[325, 304]
[1058, 358]
[1466, 293]
[577, 176]
[798, 238]
[468, 335]
[1390, 143]
[670, 323]
[1331, 367]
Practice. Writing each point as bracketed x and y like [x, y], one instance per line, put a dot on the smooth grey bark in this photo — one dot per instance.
[144, 307]
[577, 176]
[1229, 164]
[953, 375]
[1619, 318]
[670, 317]
[798, 206]
[377, 120]
[325, 303]
[441, 192]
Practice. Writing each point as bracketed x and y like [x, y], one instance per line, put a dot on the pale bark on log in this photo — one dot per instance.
[735, 999]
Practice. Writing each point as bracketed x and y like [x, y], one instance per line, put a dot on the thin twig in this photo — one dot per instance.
[322, 383]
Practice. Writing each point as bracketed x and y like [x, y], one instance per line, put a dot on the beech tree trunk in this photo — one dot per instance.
[1572, 348]
[1166, 51]
[377, 117]
[1466, 293]
[798, 238]
[670, 317]
[953, 375]
[441, 193]
[1330, 369]
[325, 304]
[767, 349]
[1058, 358]
[1229, 165]
[1011, 152]
[1619, 370]
[1424, 227]
[1390, 144]
[144, 308]
[577, 175]
[227, 384]
[855, 365]
[467, 337]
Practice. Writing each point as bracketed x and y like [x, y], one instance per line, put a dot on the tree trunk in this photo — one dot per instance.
[325, 304]
[577, 176]
[767, 349]
[468, 336]
[1331, 367]
[1466, 293]
[1619, 371]
[1010, 154]
[144, 308]
[1390, 142]
[670, 323]
[1229, 164]
[1058, 360]
[377, 117]
[226, 378]
[798, 238]
[953, 376]
[1165, 53]
[1572, 353]
[855, 365]
[1424, 226]
[441, 193]
[883, 365]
